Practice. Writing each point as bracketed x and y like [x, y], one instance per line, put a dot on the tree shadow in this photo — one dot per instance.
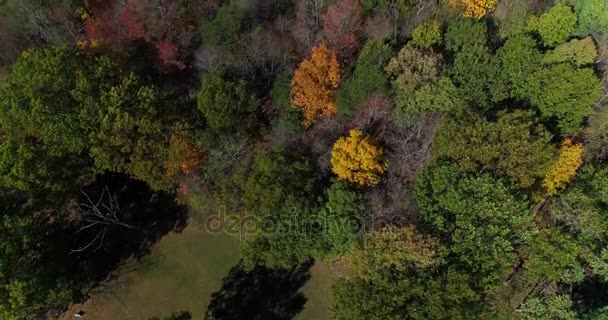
[150, 215]
[259, 294]
[182, 315]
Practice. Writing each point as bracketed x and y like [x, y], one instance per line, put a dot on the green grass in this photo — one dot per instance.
[180, 274]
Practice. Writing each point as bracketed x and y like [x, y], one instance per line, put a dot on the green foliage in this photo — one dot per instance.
[340, 220]
[553, 256]
[564, 95]
[131, 138]
[416, 78]
[227, 106]
[427, 35]
[275, 191]
[465, 33]
[478, 214]
[557, 25]
[516, 146]
[223, 28]
[578, 52]
[516, 60]
[592, 16]
[555, 307]
[367, 79]
[473, 70]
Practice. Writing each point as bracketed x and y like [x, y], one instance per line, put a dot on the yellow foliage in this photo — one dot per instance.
[87, 44]
[569, 160]
[357, 159]
[476, 8]
[314, 84]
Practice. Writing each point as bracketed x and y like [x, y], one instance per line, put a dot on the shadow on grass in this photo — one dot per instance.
[183, 315]
[259, 294]
[150, 215]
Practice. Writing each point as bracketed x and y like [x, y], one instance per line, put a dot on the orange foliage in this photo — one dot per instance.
[476, 8]
[185, 157]
[569, 160]
[314, 84]
[357, 159]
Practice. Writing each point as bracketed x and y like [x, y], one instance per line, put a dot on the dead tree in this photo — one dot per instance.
[100, 216]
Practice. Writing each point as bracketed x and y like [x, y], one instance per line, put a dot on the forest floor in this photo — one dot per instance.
[180, 274]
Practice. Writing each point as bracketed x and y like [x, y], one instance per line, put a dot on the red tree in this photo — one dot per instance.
[342, 23]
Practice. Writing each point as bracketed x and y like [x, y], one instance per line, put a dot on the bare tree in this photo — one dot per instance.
[101, 215]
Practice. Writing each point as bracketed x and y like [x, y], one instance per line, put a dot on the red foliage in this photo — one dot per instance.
[167, 51]
[342, 23]
[131, 22]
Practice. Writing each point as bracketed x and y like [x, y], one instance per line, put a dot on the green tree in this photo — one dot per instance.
[465, 32]
[131, 137]
[578, 52]
[515, 146]
[564, 95]
[553, 256]
[276, 191]
[473, 72]
[367, 79]
[555, 26]
[227, 106]
[516, 60]
[554, 307]
[592, 16]
[427, 35]
[223, 28]
[478, 214]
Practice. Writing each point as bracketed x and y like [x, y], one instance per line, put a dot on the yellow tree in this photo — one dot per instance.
[314, 84]
[476, 8]
[357, 159]
[569, 160]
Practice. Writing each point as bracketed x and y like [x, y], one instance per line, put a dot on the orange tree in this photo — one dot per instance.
[569, 160]
[357, 159]
[314, 84]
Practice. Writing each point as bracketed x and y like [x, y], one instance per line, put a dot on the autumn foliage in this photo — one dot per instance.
[476, 8]
[184, 156]
[341, 24]
[569, 160]
[314, 84]
[358, 160]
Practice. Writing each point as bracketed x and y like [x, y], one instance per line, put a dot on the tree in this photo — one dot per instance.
[563, 94]
[131, 136]
[473, 72]
[358, 159]
[314, 84]
[481, 217]
[465, 32]
[569, 160]
[427, 34]
[555, 26]
[578, 52]
[592, 16]
[553, 256]
[226, 105]
[341, 24]
[223, 28]
[554, 307]
[367, 79]
[275, 192]
[416, 69]
[516, 60]
[184, 156]
[476, 8]
[516, 146]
